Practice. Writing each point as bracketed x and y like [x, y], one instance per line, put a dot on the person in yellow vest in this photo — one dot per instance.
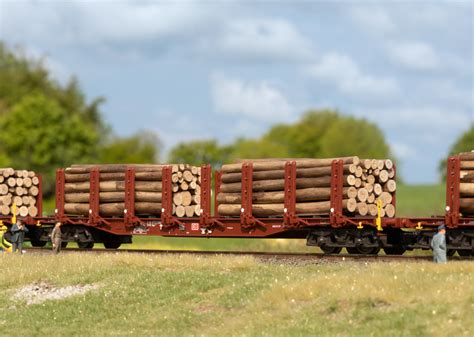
[56, 238]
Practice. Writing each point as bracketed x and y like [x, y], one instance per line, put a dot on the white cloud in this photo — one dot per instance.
[402, 150]
[260, 101]
[266, 39]
[374, 19]
[415, 55]
[342, 71]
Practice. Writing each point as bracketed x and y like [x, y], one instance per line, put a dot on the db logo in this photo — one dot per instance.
[194, 226]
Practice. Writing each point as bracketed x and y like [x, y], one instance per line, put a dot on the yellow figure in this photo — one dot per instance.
[5, 245]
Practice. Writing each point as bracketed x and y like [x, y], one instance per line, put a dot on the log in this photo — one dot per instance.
[188, 176]
[369, 187]
[388, 164]
[466, 175]
[23, 211]
[33, 211]
[466, 206]
[467, 156]
[118, 176]
[5, 210]
[33, 190]
[391, 173]
[362, 208]
[180, 211]
[105, 197]
[467, 165]
[11, 182]
[350, 180]
[280, 174]
[35, 181]
[386, 198]
[280, 165]
[27, 182]
[187, 198]
[383, 176]
[268, 210]
[389, 210]
[113, 168]
[358, 182]
[362, 195]
[3, 189]
[371, 179]
[189, 210]
[390, 186]
[113, 209]
[366, 163]
[466, 189]
[372, 210]
[177, 199]
[371, 198]
[378, 189]
[302, 195]
[349, 204]
[114, 186]
[278, 184]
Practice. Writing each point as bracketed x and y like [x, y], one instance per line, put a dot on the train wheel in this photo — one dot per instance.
[394, 250]
[64, 244]
[37, 243]
[85, 245]
[465, 252]
[451, 252]
[331, 250]
[112, 245]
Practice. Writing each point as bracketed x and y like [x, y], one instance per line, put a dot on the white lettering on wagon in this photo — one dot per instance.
[195, 226]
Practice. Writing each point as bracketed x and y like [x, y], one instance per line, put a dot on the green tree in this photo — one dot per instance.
[464, 143]
[40, 135]
[257, 148]
[350, 136]
[199, 152]
[141, 148]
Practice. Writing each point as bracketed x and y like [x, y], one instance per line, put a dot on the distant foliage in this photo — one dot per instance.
[46, 125]
[464, 143]
[38, 134]
[199, 152]
[141, 148]
[319, 133]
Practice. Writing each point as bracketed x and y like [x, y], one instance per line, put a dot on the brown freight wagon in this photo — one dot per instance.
[331, 231]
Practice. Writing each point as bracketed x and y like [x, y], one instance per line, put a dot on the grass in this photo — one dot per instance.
[235, 296]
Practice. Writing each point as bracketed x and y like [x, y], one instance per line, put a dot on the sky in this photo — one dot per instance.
[225, 69]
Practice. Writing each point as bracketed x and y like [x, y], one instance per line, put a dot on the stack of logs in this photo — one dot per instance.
[365, 182]
[186, 190]
[148, 189]
[18, 187]
[466, 206]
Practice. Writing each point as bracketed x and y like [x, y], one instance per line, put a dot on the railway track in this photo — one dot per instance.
[264, 256]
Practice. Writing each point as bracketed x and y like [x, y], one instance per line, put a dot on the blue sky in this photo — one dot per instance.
[226, 69]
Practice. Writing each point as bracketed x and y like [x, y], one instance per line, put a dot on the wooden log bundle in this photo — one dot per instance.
[365, 182]
[148, 189]
[19, 187]
[466, 187]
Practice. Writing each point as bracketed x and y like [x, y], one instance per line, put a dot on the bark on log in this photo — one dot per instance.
[466, 206]
[278, 184]
[105, 197]
[116, 176]
[280, 165]
[466, 189]
[112, 168]
[280, 174]
[114, 186]
[467, 165]
[467, 156]
[302, 195]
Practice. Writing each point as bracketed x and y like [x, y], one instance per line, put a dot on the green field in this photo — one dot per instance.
[236, 296]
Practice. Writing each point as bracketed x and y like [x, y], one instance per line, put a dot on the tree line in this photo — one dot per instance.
[45, 125]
